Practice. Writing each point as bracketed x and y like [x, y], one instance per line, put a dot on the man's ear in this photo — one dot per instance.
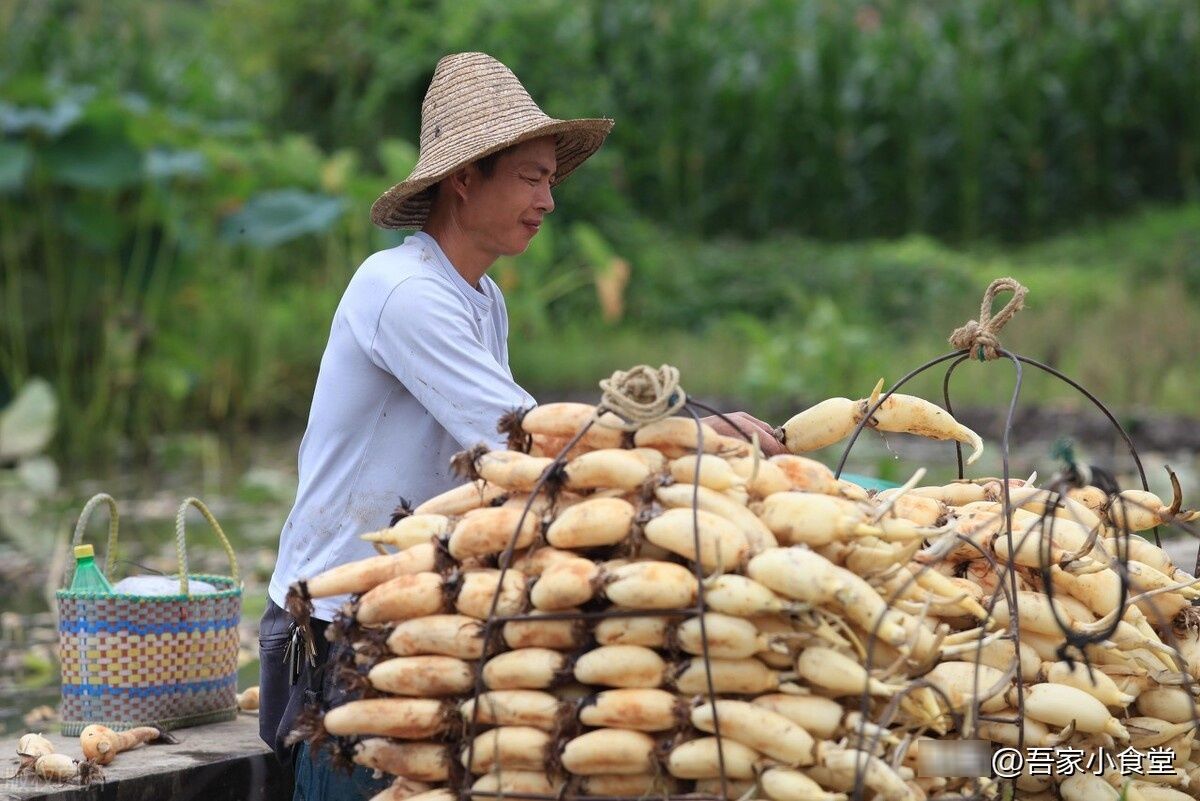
[461, 180]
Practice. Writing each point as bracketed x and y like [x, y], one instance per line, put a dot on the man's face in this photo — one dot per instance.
[501, 213]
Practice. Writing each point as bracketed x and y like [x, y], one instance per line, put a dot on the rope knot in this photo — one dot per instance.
[981, 337]
[643, 395]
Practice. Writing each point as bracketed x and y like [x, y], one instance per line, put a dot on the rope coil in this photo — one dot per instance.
[642, 395]
[981, 337]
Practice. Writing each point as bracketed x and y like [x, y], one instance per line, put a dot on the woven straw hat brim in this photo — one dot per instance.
[407, 204]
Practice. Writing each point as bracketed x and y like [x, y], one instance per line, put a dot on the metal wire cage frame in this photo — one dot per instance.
[1073, 648]
[1075, 641]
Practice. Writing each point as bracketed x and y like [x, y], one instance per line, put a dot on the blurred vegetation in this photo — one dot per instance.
[821, 117]
[788, 320]
[184, 188]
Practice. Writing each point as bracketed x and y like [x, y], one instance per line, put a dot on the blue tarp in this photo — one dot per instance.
[867, 482]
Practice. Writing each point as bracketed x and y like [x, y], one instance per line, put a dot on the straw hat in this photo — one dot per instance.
[475, 106]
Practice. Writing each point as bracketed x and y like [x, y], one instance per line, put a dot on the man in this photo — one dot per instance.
[416, 367]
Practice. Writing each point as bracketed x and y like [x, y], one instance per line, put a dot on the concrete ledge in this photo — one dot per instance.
[217, 762]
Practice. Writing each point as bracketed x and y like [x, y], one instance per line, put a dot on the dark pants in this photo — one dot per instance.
[280, 701]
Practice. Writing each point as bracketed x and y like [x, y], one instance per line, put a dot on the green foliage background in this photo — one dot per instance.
[809, 194]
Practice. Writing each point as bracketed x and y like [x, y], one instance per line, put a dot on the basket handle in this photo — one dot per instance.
[81, 525]
[181, 545]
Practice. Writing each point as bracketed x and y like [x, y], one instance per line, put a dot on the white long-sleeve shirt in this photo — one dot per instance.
[416, 369]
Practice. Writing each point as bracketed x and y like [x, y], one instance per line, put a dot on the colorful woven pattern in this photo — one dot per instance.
[166, 661]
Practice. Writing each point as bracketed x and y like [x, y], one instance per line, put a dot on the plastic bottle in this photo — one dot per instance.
[88, 577]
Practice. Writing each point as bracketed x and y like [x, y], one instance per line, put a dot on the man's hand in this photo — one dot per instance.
[747, 423]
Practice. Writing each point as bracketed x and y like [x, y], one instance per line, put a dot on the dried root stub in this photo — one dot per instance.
[29, 748]
[62, 768]
[841, 630]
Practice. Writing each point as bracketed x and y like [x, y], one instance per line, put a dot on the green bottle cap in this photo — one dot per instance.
[84, 550]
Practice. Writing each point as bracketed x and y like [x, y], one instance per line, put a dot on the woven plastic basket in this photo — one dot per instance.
[131, 660]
